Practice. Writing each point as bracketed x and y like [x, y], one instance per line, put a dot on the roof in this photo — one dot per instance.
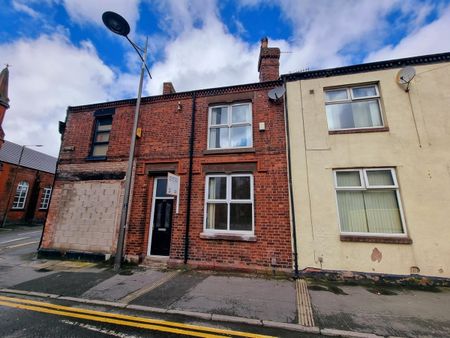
[178, 95]
[369, 67]
[10, 153]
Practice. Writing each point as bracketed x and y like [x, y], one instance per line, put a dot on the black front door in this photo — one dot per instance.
[162, 219]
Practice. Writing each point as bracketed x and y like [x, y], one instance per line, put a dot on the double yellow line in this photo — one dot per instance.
[125, 320]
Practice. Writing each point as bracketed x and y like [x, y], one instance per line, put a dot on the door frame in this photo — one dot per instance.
[152, 214]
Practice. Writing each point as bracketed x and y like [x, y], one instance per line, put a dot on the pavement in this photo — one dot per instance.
[303, 306]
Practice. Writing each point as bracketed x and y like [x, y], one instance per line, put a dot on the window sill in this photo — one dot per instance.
[361, 130]
[228, 151]
[96, 158]
[228, 237]
[376, 239]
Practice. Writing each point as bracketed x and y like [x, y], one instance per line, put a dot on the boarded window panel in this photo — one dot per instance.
[100, 150]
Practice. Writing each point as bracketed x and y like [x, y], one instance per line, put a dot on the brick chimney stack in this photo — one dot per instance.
[168, 88]
[4, 100]
[269, 62]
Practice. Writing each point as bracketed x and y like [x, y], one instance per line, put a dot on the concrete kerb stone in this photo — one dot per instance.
[288, 326]
[347, 334]
[145, 308]
[201, 315]
[206, 316]
[233, 319]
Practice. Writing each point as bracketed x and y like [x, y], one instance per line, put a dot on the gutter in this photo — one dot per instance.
[189, 193]
[291, 193]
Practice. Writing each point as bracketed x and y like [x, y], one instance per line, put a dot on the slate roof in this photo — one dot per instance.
[10, 153]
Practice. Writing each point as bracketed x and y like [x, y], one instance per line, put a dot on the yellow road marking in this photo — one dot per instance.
[109, 320]
[134, 319]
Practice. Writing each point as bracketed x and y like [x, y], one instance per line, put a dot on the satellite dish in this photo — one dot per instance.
[116, 23]
[405, 76]
[276, 93]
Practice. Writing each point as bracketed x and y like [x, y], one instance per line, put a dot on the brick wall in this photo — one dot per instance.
[165, 139]
[10, 176]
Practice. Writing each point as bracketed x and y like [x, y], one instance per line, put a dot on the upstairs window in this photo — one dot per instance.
[45, 198]
[230, 126]
[101, 136]
[369, 201]
[229, 203]
[353, 108]
[21, 195]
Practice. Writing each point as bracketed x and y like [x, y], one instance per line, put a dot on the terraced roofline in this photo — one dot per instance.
[368, 67]
[178, 96]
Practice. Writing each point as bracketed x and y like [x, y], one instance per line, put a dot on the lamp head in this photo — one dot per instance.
[116, 23]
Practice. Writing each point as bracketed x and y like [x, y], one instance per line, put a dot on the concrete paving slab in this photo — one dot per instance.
[13, 275]
[65, 283]
[242, 297]
[170, 292]
[406, 313]
[119, 286]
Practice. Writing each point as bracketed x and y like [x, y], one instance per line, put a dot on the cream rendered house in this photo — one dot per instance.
[370, 166]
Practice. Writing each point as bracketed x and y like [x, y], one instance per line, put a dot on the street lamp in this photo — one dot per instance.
[118, 25]
[14, 180]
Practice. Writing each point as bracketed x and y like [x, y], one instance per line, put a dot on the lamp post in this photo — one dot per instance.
[14, 180]
[118, 25]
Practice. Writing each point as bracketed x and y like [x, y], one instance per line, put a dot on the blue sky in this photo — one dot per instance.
[62, 55]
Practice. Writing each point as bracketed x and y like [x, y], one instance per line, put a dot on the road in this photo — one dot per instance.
[32, 316]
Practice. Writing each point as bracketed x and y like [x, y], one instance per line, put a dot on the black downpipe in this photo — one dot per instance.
[189, 192]
[291, 193]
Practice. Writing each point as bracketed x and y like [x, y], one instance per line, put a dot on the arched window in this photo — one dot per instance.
[46, 197]
[21, 195]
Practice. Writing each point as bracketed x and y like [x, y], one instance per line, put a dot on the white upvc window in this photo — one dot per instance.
[230, 126]
[45, 198]
[21, 195]
[229, 203]
[368, 202]
[353, 108]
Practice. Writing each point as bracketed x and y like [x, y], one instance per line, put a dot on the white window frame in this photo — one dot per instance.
[229, 201]
[45, 198]
[366, 186]
[22, 197]
[229, 124]
[351, 98]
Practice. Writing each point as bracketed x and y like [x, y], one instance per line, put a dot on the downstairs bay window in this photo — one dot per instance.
[368, 202]
[229, 204]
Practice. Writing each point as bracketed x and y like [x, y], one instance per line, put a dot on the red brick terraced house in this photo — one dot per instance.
[228, 146]
[26, 179]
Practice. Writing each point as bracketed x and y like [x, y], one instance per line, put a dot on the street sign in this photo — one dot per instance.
[173, 184]
[173, 187]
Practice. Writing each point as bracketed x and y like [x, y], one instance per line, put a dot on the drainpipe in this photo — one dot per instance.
[291, 193]
[189, 192]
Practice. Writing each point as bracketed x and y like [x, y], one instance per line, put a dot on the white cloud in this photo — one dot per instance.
[83, 11]
[429, 39]
[21, 7]
[49, 74]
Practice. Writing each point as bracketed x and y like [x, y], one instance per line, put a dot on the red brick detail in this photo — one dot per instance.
[168, 88]
[165, 139]
[10, 177]
[269, 62]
